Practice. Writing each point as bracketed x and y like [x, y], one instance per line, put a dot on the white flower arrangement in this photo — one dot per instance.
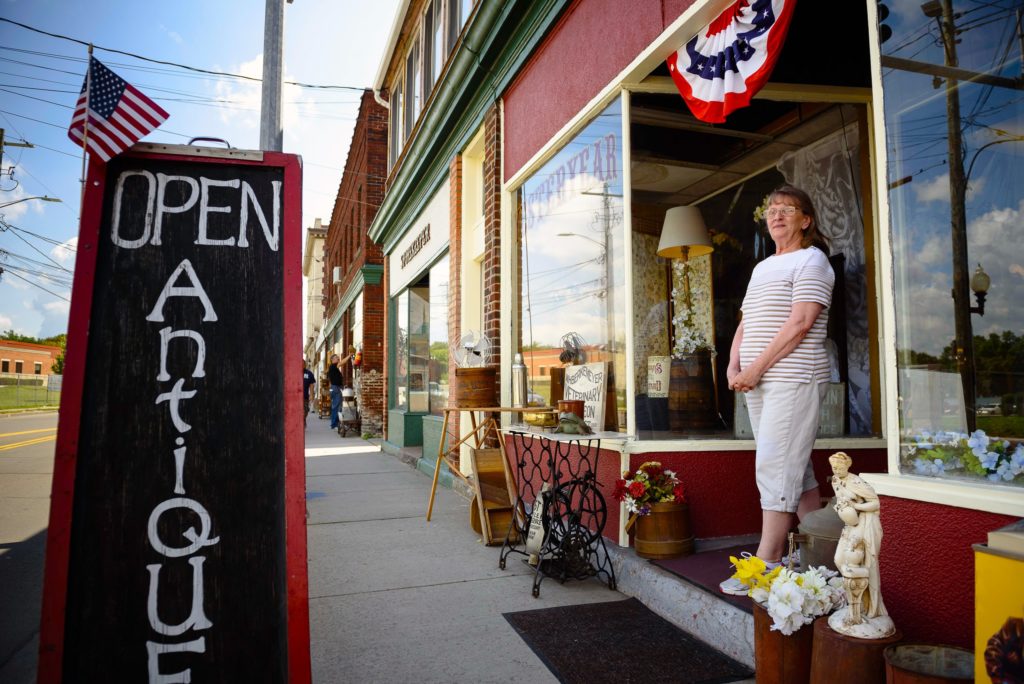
[792, 599]
[942, 453]
[689, 338]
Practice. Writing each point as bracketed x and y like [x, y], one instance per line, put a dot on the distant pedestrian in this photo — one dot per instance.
[335, 379]
[308, 380]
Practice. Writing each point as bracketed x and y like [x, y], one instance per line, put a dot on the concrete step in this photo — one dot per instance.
[705, 615]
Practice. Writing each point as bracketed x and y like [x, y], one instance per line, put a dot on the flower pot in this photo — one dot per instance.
[778, 658]
[691, 393]
[664, 532]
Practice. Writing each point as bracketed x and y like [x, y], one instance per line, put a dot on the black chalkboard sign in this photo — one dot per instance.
[177, 556]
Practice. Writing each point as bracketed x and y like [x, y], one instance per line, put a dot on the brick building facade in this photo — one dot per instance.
[352, 281]
[26, 358]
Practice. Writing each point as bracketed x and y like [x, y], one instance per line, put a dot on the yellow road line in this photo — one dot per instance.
[28, 442]
[26, 432]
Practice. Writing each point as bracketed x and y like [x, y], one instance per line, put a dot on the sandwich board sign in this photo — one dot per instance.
[176, 549]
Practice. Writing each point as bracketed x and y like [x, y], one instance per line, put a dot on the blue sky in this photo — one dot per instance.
[993, 147]
[327, 42]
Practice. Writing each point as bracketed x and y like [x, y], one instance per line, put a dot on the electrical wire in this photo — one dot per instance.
[173, 64]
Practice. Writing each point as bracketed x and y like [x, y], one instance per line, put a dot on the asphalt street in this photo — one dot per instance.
[26, 469]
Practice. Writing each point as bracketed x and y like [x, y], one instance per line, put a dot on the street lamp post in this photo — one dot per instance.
[44, 198]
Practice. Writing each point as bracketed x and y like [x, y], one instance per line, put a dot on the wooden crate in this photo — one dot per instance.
[494, 493]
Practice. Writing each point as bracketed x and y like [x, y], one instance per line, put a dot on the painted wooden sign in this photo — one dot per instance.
[658, 369]
[176, 547]
[589, 382]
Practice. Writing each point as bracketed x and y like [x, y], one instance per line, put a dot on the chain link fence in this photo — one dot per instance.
[21, 390]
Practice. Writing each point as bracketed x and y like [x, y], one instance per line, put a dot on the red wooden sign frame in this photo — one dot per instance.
[56, 573]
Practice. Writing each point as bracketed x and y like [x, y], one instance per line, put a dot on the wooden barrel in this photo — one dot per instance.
[475, 387]
[664, 532]
[780, 658]
[840, 659]
[691, 393]
[928, 664]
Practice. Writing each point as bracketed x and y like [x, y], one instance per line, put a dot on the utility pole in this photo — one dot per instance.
[271, 133]
[964, 351]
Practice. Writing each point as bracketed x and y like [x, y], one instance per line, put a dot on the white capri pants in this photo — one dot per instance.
[784, 417]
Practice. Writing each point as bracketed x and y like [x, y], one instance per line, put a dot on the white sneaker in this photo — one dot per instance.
[733, 587]
[795, 556]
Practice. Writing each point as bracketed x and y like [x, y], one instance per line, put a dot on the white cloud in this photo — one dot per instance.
[5, 322]
[64, 253]
[937, 189]
[173, 35]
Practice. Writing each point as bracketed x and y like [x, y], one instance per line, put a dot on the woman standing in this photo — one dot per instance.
[778, 359]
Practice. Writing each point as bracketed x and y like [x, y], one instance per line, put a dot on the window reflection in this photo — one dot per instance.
[953, 115]
[573, 270]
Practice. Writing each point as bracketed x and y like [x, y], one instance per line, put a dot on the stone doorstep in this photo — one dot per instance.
[694, 610]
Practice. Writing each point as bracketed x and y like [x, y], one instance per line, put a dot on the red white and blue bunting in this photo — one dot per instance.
[721, 68]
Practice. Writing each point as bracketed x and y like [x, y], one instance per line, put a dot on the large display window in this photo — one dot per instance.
[572, 286]
[955, 145]
[686, 311]
[421, 342]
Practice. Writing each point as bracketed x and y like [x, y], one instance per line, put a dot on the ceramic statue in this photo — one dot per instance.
[856, 556]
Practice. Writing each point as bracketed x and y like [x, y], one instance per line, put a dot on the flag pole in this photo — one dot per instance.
[85, 130]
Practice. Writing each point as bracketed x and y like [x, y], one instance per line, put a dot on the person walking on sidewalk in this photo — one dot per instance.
[778, 359]
[308, 381]
[335, 379]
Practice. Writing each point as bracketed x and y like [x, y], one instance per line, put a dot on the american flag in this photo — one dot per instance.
[119, 114]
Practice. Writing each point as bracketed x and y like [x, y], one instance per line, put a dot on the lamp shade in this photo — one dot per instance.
[684, 234]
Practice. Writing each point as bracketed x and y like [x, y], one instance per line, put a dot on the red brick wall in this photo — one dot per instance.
[543, 98]
[28, 354]
[492, 233]
[347, 246]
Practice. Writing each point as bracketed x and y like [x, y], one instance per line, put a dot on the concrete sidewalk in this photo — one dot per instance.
[395, 598]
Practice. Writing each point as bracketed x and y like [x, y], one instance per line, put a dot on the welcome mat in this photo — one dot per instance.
[620, 641]
[707, 570]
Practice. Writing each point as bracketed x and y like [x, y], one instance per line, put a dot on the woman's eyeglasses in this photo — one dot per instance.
[781, 211]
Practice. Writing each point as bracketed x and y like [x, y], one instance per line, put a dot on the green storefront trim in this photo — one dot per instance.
[371, 274]
[496, 44]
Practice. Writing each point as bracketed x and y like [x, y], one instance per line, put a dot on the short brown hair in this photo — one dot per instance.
[802, 201]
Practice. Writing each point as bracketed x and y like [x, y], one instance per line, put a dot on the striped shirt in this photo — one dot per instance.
[776, 284]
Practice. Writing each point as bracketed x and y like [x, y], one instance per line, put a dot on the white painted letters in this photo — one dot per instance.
[198, 540]
[205, 208]
[166, 336]
[271, 235]
[173, 399]
[155, 650]
[197, 618]
[162, 180]
[147, 224]
[170, 290]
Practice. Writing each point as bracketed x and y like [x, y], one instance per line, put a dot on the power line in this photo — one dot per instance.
[36, 285]
[173, 64]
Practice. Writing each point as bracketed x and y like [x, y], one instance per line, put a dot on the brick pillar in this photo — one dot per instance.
[492, 232]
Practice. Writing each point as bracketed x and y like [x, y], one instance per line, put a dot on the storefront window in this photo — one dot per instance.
[682, 342]
[438, 386]
[401, 306]
[572, 284]
[419, 348]
[950, 74]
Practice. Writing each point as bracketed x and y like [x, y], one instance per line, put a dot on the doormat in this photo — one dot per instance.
[620, 641]
[707, 570]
